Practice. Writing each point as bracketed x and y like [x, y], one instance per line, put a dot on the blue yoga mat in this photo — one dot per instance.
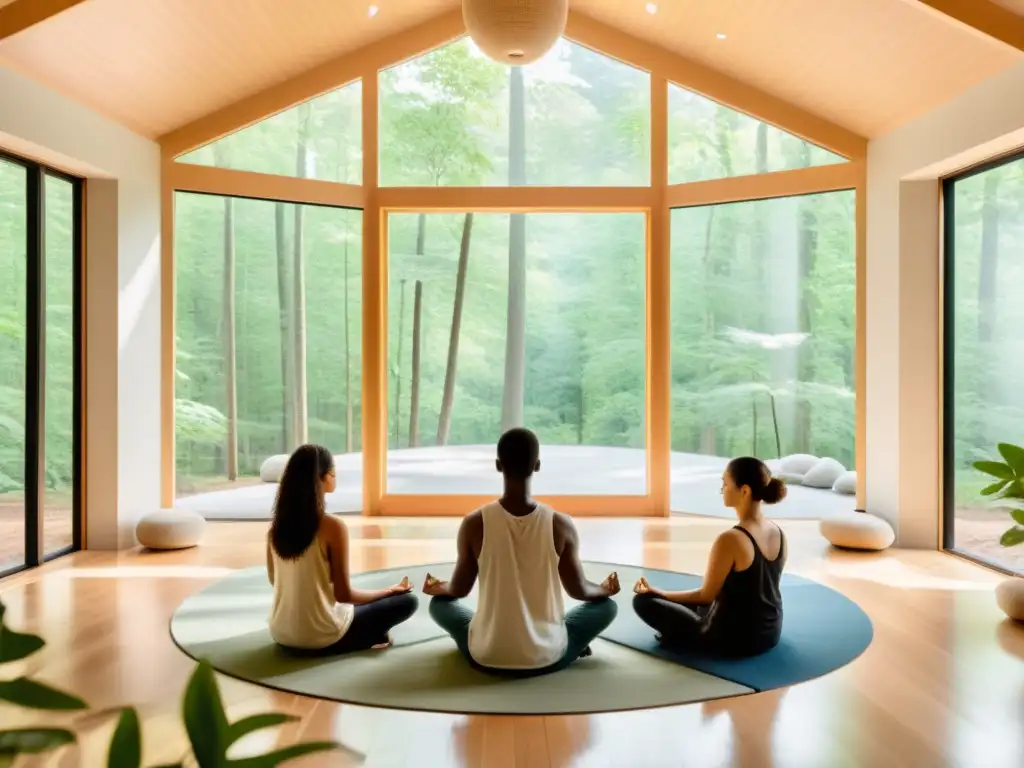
[822, 630]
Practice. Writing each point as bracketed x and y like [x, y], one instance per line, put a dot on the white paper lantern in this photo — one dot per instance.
[515, 32]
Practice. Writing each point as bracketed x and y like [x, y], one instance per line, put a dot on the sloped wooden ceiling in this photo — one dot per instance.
[156, 65]
[1017, 6]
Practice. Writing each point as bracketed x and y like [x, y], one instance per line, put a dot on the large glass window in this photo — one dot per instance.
[269, 349]
[710, 141]
[60, 364]
[39, 377]
[984, 403]
[454, 117]
[13, 357]
[763, 337]
[319, 139]
[497, 321]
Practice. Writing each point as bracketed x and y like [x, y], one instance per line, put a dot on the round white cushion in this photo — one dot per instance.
[170, 529]
[823, 474]
[273, 468]
[857, 530]
[1010, 598]
[799, 463]
[846, 483]
[790, 478]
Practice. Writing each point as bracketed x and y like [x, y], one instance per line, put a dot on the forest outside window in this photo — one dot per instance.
[710, 141]
[984, 402]
[453, 117]
[318, 139]
[498, 320]
[269, 348]
[763, 339]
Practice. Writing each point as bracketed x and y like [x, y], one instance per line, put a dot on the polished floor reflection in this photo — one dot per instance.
[941, 685]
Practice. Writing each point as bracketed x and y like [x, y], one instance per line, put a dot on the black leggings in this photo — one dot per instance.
[678, 625]
[685, 628]
[370, 625]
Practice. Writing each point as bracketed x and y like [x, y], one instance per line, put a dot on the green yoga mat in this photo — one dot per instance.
[225, 623]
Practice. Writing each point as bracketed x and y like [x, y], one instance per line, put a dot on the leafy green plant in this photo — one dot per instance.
[209, 732]
[1009, 485]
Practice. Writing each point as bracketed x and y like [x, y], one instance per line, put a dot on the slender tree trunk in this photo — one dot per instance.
[301, 423]
[398, 365]
[989, 268]
[444, 420]
[228, 322]
[348, 361]
[230, 354]
[414, 387]
[806, 254]
[421, 234]
[513, 394]
[287, 369]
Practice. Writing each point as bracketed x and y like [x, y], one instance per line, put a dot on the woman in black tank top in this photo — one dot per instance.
[737, 610]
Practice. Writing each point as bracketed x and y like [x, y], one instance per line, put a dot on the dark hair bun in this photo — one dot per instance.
[774, 491]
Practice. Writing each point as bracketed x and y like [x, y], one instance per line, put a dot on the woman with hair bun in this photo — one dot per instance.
[737, 610]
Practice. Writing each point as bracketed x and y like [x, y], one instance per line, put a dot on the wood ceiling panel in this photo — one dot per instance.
[157, 64]
[867, 65]
[1017, 6]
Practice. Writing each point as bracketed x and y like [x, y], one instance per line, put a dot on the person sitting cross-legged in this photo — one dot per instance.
[524, 553]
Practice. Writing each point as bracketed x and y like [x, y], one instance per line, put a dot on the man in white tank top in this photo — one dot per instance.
[524, 554]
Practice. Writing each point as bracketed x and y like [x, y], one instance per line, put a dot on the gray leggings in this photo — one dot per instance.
[582, 624]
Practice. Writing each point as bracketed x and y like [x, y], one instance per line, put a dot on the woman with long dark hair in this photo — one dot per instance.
[737, 610]
[315, 607]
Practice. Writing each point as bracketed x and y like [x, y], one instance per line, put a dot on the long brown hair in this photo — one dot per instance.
[299, 504]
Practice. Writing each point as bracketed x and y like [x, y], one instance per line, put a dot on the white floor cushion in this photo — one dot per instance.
[846, 484]
[823, 474]
[799, 463]
[273, 468]
[857, 530]
[1010, 598]
[791, 478]
[170, 529]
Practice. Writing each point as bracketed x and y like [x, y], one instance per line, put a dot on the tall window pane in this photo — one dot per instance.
[763, 337]
[531, 320]
[58, 499]
[13, 327]
[986, 267]
[265, 362]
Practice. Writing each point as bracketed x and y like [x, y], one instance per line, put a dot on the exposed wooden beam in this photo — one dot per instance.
[21, 14]
[716, 86]
[515, 199]
[185, 177]
[326, 77]
[735, 189]
[981, 16]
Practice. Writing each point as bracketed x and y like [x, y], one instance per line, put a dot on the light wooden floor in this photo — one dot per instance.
[942, 683]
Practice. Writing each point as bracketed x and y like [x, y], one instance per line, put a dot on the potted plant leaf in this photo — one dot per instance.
[1008, 487]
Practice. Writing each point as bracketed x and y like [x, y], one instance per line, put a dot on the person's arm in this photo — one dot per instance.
[466, 565]
[270, 562]
[570, 569]
[344, 592]
[720, 563]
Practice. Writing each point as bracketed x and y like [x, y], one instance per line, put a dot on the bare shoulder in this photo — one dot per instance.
[473, 522]
[563, 529]
[332, 528]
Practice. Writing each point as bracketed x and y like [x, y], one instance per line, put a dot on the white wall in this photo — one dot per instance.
[903, 278]
[123, 294]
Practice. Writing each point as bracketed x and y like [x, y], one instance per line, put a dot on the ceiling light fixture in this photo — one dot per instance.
[651, 8]
[372, 11]
[721, 35]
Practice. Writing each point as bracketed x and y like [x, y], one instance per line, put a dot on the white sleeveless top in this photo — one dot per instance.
[304, 613]
[520, 616]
